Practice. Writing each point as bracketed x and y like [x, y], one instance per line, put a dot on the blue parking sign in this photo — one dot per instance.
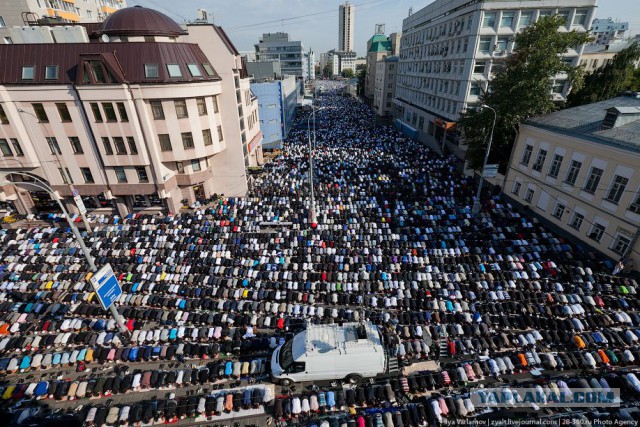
[106, 285]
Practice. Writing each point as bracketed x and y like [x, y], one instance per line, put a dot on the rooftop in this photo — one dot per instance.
[609, 48]
[140, 21]
[380, 46]
[588, 121]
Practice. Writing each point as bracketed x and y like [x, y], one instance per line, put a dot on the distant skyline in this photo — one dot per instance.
[315, 22]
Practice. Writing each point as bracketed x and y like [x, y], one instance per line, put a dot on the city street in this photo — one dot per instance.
[491, 299]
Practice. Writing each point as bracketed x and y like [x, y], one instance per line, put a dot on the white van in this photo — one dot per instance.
[351, 351]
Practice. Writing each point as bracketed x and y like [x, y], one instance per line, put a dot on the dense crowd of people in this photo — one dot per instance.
[208, 294]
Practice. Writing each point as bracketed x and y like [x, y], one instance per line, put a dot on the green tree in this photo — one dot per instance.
[521, 88]
[327, 71]
[348, 73]
[634, 82]
[608, 81]
[362, 75]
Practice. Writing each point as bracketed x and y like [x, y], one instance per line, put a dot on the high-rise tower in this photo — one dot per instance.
[345, 27]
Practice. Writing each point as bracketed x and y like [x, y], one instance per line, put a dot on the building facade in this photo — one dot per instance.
[598, 55]
[277, 102]
[579, 169]
[291, 54]
[346, 27]
[449, 49]
[379, 46]
[385, 86]
[606, 31]
[139, 117]
[24, 12]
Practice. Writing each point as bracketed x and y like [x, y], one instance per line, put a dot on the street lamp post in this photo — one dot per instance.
[476, 203]
[38, 183]
[63, 169]
[312, 211]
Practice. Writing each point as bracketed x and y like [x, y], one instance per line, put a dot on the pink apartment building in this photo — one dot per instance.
[142, 116]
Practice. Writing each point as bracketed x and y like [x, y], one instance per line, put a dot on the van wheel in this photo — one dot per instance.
[286, 382]
[354, 378]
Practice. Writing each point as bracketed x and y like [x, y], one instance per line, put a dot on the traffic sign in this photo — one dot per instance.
[75, 192]
[490, 171]
[106, 286]
[80, 204]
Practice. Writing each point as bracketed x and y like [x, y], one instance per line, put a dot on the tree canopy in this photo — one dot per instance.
[608, 81]
[521, 88]
[348, 73]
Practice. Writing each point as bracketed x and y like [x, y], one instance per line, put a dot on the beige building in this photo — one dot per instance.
[378, 47]
[385, 86]
[579, 169]
[598, 55]
[24, 12]
[142, 116]
[346, 27]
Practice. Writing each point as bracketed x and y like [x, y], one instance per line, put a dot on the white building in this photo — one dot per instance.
[607, 30]
[449, 49]
[346, 27]
[24, 12]
[579, 169]
[135, 118]
[385, 86]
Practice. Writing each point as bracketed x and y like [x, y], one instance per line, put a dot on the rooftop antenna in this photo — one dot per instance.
[411, 11]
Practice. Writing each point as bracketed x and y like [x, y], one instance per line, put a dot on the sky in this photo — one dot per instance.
[315, 22]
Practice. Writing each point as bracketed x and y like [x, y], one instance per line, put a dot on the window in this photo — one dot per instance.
[5, 148]
[480, 67]
[28, 72]
[209, 69]
[51, 72]
[107, 145]
[75, 145]
[96, 112]
[3, 116]
[133, 149]
[502, 44]
[484, 45]
[489, 20]
[539, 163]
[507, 19]
[16, 147]
[617, 189]
[87, 175]
[580, 18]
[53, 145]
[516, 188]
[98, 72]
[121, 148]
[573, 172]
[621, 244]
[181, 108]
[151, 71]
[576, 221]
[156, 109]
[564, 14]
[526, 155]
[558, 87]
[597, 231]
[41, 114]
[554, 170]
[2, 24]
[187, 140]
[195, 165]
[220, 136]
[8, 40]
[180, 167]
[215, 104]
[635, 206]
[109, 112]
[558, 211]
[66, 176]
[142, 174]
[202, 106]
[206, 136]
[165, 142]
[63, 110]
[122, 110]
[174, 70]
[594, 180]
[120, 174]
[526, 18]
[528, 197]
[194, 70]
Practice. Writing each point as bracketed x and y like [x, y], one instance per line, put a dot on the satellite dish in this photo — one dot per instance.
[105, 38]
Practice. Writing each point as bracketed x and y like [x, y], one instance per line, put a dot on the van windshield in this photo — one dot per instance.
[286, 355]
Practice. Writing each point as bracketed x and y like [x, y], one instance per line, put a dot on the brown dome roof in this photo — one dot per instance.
[140, 21]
